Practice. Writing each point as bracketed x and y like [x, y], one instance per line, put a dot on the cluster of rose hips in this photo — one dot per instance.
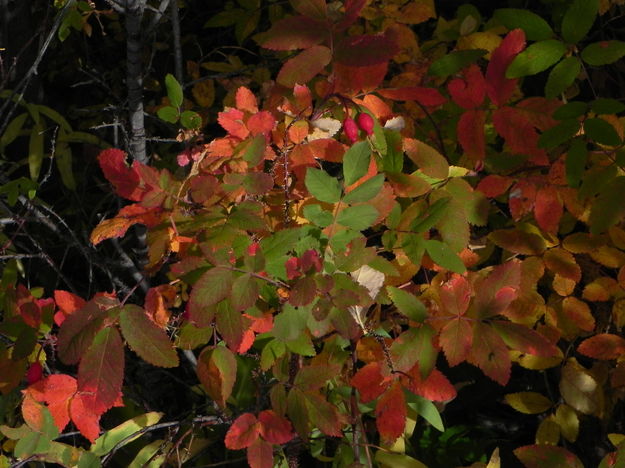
[352, 127]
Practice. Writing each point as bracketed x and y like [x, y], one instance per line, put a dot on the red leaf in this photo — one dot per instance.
[86, 420]
[324, 415]
[430, 97]
[34, 373]
[520, 135]
[260, 454]
[498, 87]
[603, 346]
[217, 371]
[246, 101]
[295, 32]
[524, 339]
[101, 371]
[78, 331]
[126, 180]
[390, 413]
[455, 295]
[471, 91]
[494, 185]
[369, 382]
[352, 10]
[365, 50]
[232, 121]
[522, 198]
[274, 428]
[455, 339]
[490, 353]
[498, 289]
[261, 123]
[548, 209]
[436, 387]
[470, 130]
[353, 80]
[304, 66]
[243, 432]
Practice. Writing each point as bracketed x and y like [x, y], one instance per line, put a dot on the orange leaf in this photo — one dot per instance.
[603, 346]
[562, 262]
[127, 216]
[429, 97]
[390, 412]
[261, 123]
[455, 339]
[232, 121]
[87, 421]
[274, 428]
[243, 432]
[246, 101]
[548, 209]
[67, 303]
[455, 295]
[524, 339]
[436, 387]
[260, 454]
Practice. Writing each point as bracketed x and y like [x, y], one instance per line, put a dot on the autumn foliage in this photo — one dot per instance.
[388, 213]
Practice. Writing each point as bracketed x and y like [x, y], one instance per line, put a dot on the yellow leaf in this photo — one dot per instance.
[616, 439]
[548, 432]
[608, 257]
[529, 361]
[495, 460]
[580, 390]
[487, 40]
[567, 419]
[528, 402]
[204, 93]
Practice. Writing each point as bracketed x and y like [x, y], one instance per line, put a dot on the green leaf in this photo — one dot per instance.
[318, 216]
[433, 215]
[147, 457]
[359, 217]
[442, 255]
[397, 460]
[244, 292]
[366, 191]
[601, 132]
[146, 338]
[255, 150]
[35, 151]
[578, 19]
[33, 443]
[224, 18]
[535, 28]
[174, 90]
[190, 120]
[455, 61]
[603, 53]
[562, 76]
[63, 160]
[607, 106]
[212, 287]
[536, 58]
[559, 134]
[168, 114]
[393, 160]
[570, 110]
[575, 163]
[608, 208]
[13, 130]
[356, 162]
[407, 304]
[123, 434]
[427, 409]
[322, 185]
